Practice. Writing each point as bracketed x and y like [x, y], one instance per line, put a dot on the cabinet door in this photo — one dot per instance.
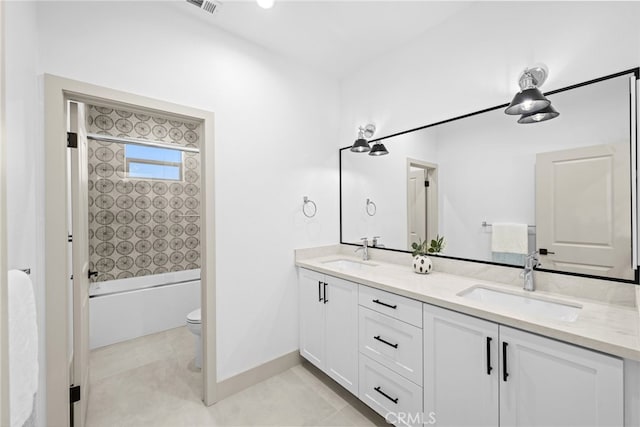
[341, 339]
[549, 383]
[460, 368]
[311, 288]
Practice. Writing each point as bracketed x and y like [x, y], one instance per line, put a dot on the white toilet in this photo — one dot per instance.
[195, 326]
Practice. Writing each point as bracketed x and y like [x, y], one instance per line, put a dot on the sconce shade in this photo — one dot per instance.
[378, 149]
[527, 101]
[360, 146]
[547, 113]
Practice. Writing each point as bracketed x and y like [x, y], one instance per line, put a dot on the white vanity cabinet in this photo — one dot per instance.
[329, 326]
[479, 373]
[391, 361]
[418, 364]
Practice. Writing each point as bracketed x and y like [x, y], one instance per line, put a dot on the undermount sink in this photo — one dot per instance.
[348, 264]
[524, 304]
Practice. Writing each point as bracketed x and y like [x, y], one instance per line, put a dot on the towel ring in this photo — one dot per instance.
[313, 209]
[371, 208]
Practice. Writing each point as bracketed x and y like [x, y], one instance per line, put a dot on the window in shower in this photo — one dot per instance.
[153, 162]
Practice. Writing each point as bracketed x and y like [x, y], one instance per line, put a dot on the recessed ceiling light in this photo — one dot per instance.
[265, 4]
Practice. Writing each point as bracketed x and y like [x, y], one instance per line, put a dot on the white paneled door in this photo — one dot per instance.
[80, 255]
[583, 210]
[416, 206]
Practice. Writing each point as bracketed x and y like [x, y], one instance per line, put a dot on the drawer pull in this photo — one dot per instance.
[379, 390]
[325, 293]
[385, 304]
[489, 368]
[319, 291]
[505, 374]
[386, 342]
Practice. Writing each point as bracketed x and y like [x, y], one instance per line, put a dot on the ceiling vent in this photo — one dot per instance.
[208, 5]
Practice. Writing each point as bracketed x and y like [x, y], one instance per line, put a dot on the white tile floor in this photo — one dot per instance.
[152, 381]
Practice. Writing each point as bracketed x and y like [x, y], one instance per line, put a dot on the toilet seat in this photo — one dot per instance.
[194, 317]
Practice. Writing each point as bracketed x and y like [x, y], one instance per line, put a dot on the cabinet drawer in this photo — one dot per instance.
[393, 305]
[392, 396]
[394, 344]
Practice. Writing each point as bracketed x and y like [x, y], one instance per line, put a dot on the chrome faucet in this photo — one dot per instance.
[527, 274]
[364, 248]
[375, 242]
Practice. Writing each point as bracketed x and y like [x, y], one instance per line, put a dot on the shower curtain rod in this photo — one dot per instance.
[120, 140]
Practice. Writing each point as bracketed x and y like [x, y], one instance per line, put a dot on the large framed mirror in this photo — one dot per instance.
[570, 182]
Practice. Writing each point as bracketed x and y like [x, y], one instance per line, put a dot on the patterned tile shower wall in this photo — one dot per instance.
[140, 227]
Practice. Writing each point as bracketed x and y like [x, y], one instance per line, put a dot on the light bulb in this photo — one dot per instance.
[527, 105]
[265, 4]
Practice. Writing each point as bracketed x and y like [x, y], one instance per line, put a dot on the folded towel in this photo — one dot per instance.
[23, 347]
[508, 258]
[511, 238]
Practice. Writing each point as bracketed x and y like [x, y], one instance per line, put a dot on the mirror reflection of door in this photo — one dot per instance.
[583, 210]
[422, 201]
[80, 256]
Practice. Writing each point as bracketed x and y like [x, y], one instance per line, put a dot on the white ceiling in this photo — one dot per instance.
[336, 37]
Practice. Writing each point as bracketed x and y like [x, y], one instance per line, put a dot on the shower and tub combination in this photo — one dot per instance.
[144, 223]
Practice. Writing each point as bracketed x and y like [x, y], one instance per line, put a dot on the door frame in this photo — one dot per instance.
[432, 196]
[57, 90]
[4, 330]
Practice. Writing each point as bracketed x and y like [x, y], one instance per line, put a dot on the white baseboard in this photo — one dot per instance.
[255, 375]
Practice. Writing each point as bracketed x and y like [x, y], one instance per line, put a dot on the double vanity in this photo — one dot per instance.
[445, 349]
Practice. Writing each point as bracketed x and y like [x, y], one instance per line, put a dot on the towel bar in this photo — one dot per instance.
[486, 224]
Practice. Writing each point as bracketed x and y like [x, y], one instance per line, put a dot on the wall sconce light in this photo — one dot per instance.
[378, 149]
[362, 145]
[539, 116]
[530, 102]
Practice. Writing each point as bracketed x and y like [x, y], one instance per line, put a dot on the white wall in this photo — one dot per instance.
[25, 162]
[472, 61]
[274, 125]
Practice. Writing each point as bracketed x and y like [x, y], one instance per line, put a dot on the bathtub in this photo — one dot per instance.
[124, 309]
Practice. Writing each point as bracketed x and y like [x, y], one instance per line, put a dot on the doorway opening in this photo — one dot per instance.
[422, 201]
[137, 259]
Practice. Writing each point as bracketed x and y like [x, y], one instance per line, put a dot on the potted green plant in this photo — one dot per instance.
[437, 245]
[421, 262]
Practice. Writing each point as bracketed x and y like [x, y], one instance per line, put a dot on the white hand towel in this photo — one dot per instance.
[511, 238]
[23, 347]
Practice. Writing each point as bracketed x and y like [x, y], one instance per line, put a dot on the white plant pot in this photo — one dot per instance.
[422, 264]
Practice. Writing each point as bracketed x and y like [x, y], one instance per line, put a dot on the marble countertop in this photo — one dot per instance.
[609, 328]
